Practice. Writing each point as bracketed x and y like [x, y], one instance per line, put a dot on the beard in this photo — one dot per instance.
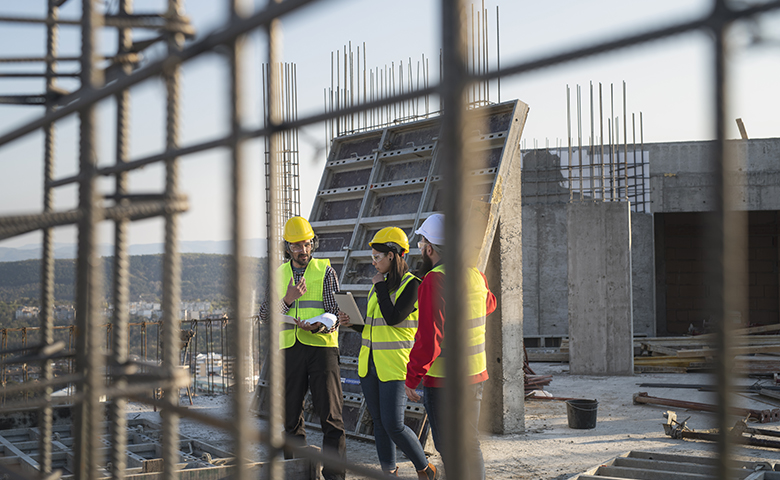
[427, 265]
[301, 259]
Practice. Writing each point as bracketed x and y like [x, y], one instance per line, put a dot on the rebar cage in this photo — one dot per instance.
[102, 78]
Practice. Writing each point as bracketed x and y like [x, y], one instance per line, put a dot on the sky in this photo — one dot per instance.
[668, 82]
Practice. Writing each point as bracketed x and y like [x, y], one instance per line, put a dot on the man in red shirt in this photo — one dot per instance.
[426, 361]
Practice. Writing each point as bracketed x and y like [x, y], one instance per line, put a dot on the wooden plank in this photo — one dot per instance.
[710, 352]
[658, 369]
[650, 347]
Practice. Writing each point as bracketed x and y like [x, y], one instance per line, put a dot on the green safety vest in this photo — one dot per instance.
[476, 312]
[308, 306]
[389, 344]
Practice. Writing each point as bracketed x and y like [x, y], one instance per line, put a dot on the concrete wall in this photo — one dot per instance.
[643, 274]
[546, 265]
[680, 177]
[600, 306]
[545, 270]
[503, 408]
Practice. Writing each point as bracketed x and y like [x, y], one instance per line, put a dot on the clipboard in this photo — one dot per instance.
[347, 305]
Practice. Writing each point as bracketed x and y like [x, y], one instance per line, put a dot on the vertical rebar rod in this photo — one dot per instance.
[498, 55]
[171, 259]
[275, 356]
[47, 256]
[612, 139]
[454, 87]
[591, 178]
[466, 56]
[487, 50]
[239, 277]
[601, 139]
[568, 129]
[642, 152]
[351, 88]
[89, 355]
[365, 85]
[121, 286]
[579, 140]
[636, 177]
[625, 141]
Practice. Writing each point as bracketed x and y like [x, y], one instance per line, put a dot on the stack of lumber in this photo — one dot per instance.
[755, 351]
[531, 380]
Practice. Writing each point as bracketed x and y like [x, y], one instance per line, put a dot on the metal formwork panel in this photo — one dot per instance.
[394, 176]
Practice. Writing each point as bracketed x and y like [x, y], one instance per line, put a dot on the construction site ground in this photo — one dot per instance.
[549, 449]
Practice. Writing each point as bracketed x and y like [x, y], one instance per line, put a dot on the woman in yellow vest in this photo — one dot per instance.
[388, 337]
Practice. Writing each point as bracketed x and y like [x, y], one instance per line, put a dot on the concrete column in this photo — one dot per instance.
[600, 291]
[503, 408]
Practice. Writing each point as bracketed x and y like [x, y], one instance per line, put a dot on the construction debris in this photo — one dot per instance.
[762, 416]
[532, 381]
[740, 434]
[756, 351]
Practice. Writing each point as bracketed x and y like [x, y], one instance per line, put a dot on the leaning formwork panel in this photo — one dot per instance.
[396, 177]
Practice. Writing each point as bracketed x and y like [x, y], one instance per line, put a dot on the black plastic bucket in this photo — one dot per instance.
[582, 413]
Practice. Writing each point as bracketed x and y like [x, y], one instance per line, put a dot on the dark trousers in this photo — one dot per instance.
[316, 369]
[434, 406]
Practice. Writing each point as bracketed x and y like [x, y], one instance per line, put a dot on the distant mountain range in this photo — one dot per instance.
[256, 247]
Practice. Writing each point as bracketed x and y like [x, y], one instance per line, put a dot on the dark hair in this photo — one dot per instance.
[398, 266]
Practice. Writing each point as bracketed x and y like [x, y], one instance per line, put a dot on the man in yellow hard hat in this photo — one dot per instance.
[311, 349]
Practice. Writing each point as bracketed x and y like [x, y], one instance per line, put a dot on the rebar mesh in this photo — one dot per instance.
[97, 84]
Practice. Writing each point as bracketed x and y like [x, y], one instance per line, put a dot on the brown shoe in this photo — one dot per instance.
[430, 473]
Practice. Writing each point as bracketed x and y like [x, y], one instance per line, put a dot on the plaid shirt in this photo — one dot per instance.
[329, 286]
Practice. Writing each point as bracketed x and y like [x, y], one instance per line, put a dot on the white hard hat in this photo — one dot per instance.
[433, 229]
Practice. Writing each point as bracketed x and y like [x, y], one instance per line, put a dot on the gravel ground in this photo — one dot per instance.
[549, 449]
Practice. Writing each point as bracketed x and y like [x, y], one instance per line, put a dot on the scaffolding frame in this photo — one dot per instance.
[727, 232]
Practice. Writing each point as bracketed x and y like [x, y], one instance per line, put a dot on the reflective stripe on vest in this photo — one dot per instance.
[308, 306]
[476, 313]
[390, 345]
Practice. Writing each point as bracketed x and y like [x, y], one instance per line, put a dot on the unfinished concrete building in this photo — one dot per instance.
[109, 78]
[663, 244]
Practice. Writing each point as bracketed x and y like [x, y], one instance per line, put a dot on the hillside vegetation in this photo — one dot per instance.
[203, 277]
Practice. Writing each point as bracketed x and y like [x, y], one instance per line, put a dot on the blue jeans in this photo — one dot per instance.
[386, 402]
[434, 405]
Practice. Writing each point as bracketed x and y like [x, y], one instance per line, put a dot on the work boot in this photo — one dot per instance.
[430, 473]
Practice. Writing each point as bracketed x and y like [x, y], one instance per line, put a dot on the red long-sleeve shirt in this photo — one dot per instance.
[430, 331]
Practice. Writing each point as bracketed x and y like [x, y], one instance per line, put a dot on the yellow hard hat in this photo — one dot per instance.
[297, 229]
[391, 235]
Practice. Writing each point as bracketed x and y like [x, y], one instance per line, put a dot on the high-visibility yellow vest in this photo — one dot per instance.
[476, 313]
[308, 306]
[390, 344]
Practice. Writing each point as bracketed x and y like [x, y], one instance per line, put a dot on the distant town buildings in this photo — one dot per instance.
[149, 310]
[26, 312]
